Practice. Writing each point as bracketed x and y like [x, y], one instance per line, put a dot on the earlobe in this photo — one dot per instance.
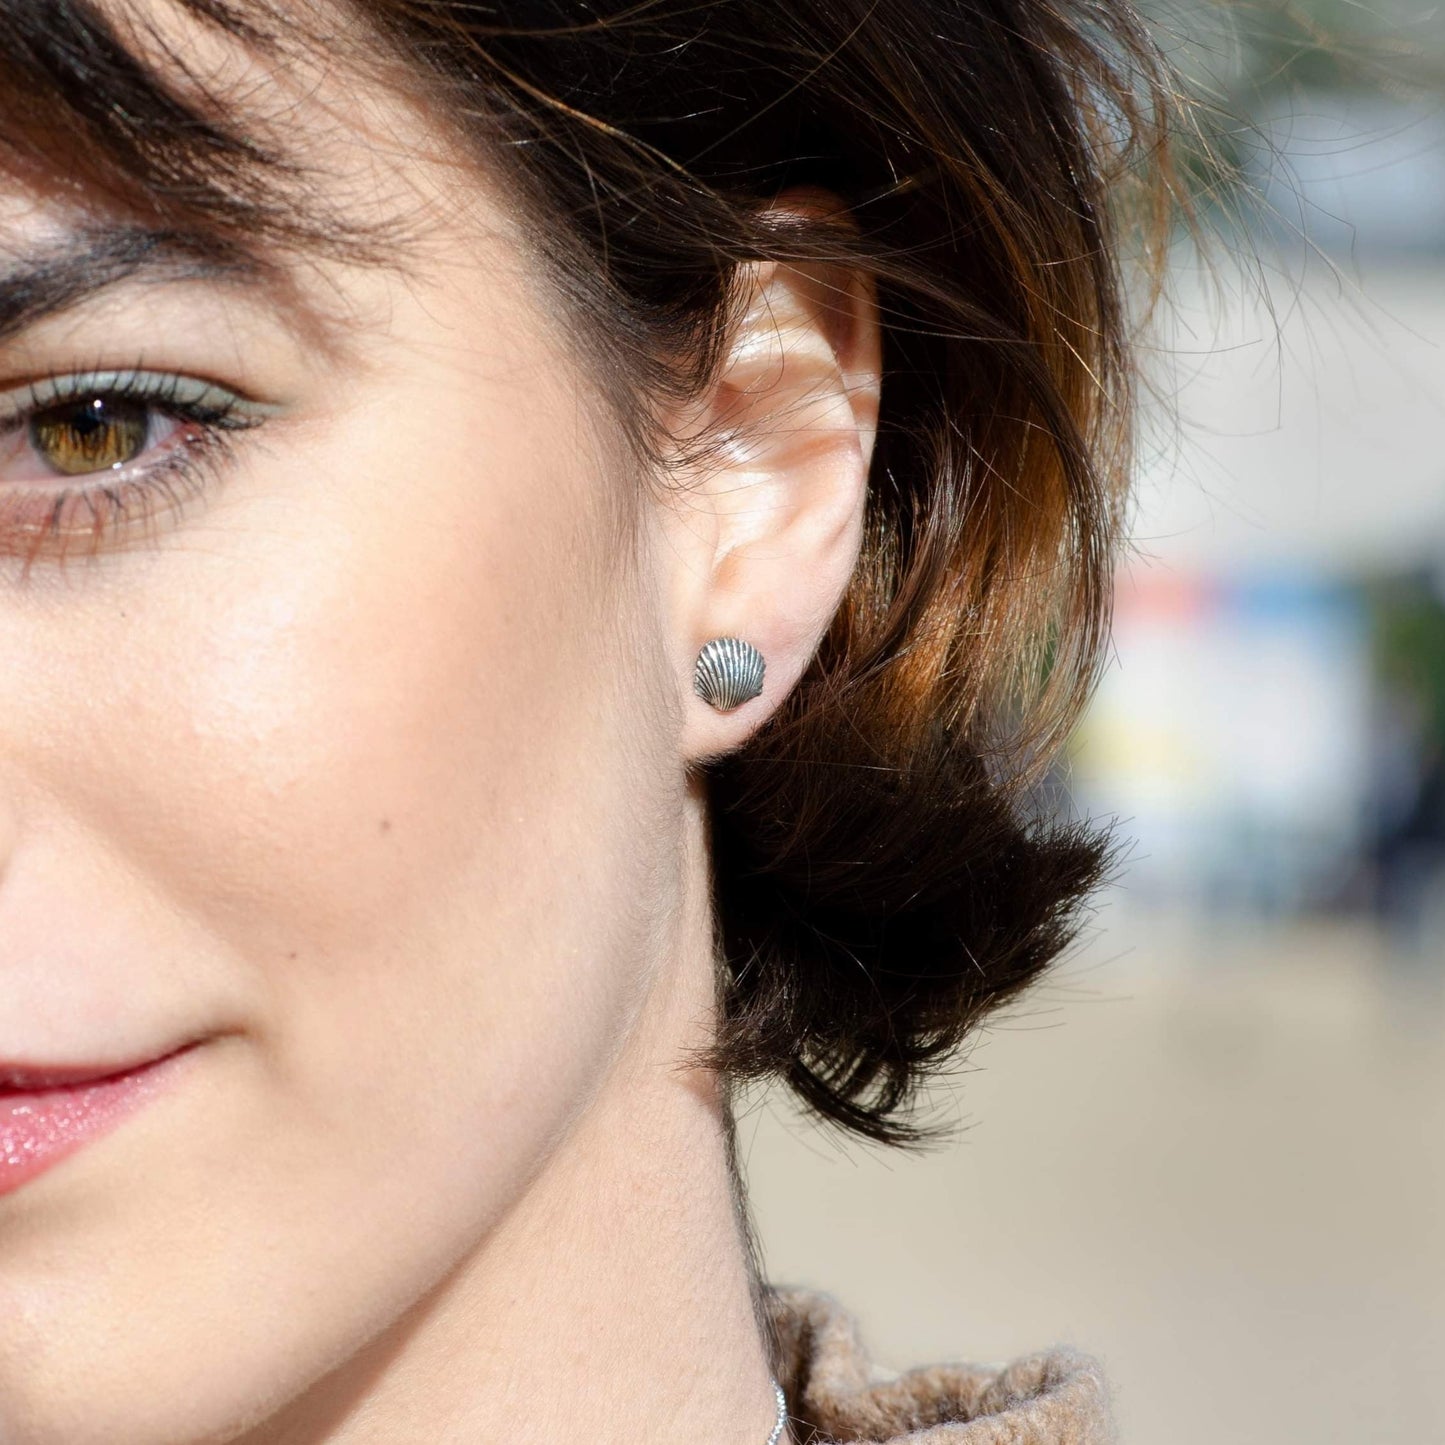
[791, 418]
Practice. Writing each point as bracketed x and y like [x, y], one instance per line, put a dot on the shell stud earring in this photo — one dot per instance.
[729, 671]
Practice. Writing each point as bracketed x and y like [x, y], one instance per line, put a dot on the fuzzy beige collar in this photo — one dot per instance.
[835, 1393]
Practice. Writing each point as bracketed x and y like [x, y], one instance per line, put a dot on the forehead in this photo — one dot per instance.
[249, 150]
[283, 127]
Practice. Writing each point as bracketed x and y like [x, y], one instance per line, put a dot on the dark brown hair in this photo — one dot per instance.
[886, 874]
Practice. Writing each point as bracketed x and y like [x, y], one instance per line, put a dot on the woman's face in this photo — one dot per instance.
[360, 769]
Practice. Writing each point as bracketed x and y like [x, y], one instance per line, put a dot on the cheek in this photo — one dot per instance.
[399, 720]
[378, 720]
[382, 742]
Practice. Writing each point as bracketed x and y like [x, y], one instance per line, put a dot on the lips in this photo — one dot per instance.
[28, 1077]
[19, 1079]
[47, 1113]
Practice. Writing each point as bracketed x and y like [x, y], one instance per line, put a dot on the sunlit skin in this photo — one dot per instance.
[372, 770]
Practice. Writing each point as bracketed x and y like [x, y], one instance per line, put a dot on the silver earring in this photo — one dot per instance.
[729, 671]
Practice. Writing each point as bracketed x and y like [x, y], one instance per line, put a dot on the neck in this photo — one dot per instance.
[614, 1302]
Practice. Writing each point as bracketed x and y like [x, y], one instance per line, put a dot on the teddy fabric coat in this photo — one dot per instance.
[836, 1393]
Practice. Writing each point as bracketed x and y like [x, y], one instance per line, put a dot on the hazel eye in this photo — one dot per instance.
[101, 422]
[138, 443]
[90, 434]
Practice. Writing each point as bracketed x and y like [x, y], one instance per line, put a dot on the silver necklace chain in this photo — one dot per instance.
[782, 1415]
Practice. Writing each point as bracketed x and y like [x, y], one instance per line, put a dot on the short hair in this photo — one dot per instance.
[885, 873]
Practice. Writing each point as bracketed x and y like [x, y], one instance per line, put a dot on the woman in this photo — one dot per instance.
[402, 404]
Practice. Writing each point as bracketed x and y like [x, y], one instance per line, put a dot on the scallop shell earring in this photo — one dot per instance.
[729, 672]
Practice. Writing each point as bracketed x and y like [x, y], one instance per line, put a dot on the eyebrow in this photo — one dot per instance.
[58, 275]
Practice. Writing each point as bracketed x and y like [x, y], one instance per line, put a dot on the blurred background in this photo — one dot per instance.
[1210, 1148]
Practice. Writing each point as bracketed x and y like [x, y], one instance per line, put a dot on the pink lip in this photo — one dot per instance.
[46, 1114]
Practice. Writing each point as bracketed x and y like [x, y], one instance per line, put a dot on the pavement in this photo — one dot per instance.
[1209, 1152]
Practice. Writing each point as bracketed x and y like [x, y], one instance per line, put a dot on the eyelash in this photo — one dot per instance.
[133, 495]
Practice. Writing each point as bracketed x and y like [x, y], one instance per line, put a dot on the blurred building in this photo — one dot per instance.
[1271, 731]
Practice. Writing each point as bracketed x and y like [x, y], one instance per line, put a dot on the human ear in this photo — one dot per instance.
[763, 541]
